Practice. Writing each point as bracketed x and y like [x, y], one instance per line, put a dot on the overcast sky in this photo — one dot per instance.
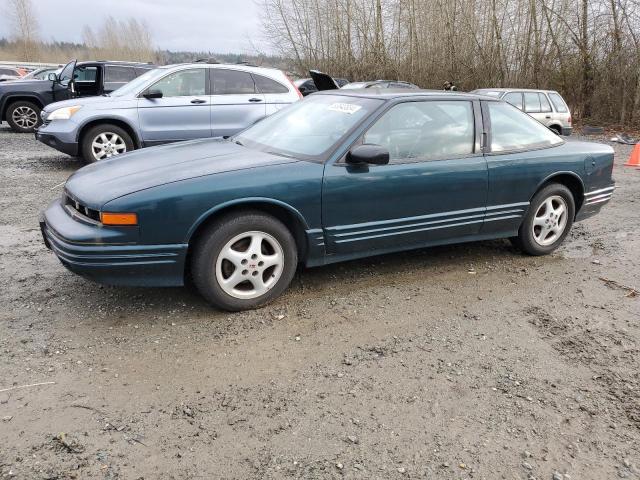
[196, 25]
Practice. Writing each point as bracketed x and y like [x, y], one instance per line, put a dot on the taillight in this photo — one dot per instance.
[294, 86]
[569, 120]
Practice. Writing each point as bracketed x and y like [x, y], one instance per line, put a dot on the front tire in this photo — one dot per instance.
[23, 117]
[105, 141]
[244, 261]
[548, 220]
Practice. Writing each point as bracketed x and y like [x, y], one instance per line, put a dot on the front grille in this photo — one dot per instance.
[83, 210]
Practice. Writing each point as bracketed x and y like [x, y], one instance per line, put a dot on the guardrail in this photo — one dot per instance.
[29, 65]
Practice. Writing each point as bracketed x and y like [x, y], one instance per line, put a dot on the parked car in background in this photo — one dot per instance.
[11, 73]
[546, 106]
[169, 104]
[307, 86]
[42, 73]
[381, 84]
[22, 101]
[341, 175]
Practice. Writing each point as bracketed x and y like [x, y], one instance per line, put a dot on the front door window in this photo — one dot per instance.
[425, 131]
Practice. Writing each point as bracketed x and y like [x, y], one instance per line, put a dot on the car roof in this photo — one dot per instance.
[117, 62]
[394, 93]
[235, 66]
[503, 89]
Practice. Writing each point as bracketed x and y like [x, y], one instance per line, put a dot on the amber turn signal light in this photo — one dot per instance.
[118, 218]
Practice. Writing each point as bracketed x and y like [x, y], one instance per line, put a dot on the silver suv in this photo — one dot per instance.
[546, 106]
[168, 104]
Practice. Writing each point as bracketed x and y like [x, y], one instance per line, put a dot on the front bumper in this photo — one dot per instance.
[93, 251]
[70, 148]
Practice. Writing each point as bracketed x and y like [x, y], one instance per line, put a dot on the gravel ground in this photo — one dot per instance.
[468, 361]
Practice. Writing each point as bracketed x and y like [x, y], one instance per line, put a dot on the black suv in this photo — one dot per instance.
[21, 101]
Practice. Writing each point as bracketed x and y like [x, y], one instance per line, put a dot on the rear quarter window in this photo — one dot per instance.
[558, 103]
[513, 130]
[267, 85]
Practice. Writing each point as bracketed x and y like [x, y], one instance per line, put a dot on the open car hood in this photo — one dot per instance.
[323, 81]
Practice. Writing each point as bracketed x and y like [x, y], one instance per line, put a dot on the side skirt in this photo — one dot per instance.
[316, 261]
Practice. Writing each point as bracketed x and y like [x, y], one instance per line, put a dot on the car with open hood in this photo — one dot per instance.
[306, 86]
[322, 81]
[339, 175]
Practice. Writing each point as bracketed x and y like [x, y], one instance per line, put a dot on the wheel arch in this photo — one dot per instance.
[571, 180]
[18, 98]
[284, 212]
[82, 131]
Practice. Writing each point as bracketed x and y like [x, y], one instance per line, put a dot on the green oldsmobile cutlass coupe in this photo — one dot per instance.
[337, 176]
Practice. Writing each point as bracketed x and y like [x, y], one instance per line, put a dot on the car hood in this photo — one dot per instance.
[323, 81]
[28, 84]
[85, 101]
[106, 180]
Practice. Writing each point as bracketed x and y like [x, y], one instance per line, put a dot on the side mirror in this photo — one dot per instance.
[372, 154]
[52, 77]
[152, 94]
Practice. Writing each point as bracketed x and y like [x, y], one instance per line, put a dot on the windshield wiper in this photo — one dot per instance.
[238, 142]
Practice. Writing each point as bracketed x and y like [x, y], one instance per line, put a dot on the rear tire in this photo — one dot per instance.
[105, 141]
[548, 220]
[243, 261]
[23, 117]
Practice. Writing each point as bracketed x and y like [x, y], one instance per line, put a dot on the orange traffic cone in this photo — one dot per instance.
[634, 159]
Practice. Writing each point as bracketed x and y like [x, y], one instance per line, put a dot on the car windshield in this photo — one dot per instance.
[139, 83]
[308, 129]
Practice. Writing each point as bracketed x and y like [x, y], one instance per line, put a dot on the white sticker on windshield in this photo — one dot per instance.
[344, 108]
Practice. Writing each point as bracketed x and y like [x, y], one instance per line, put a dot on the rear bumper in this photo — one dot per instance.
[130, 264]
[594, 201]
[70, 148]
[566, 131]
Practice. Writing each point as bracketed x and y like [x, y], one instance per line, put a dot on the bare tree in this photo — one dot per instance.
[587, 49]
[120, 40]
[24, 28]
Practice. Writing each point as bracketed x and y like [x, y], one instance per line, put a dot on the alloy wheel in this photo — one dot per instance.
[107, 145]
[249, 265]
[25, 117]
[550, 220]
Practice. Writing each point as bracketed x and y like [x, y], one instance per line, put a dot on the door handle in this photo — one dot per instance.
[198, 100]
[547, 116]
[255, 99]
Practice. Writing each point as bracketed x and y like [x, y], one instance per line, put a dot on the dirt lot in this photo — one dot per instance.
[470, 361]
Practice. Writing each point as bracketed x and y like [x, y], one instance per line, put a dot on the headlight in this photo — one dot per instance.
[63, 113]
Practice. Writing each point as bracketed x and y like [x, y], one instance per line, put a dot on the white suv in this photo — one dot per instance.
[546, 106]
